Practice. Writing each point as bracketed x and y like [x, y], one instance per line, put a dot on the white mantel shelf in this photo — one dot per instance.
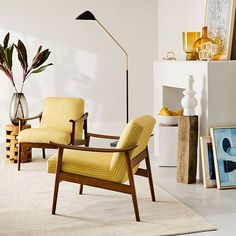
[214, 83]
[215, 86]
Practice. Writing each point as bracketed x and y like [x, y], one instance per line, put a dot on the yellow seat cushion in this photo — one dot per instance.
[91, 164]
[44, 135]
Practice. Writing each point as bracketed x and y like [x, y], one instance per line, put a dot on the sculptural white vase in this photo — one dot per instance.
[189, 102]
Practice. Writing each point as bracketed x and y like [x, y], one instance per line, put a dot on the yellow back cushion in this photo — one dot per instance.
[136, 132]
[58, 111]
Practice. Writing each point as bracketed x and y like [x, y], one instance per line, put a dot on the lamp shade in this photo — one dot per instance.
[87, 15]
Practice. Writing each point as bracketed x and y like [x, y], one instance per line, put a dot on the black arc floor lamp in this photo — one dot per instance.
[87, 15]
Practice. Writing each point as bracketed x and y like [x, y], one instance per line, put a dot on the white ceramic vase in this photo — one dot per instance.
[189, 102]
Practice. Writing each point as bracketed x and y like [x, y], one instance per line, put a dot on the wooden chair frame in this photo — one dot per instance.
[25, 145]
[119, 187]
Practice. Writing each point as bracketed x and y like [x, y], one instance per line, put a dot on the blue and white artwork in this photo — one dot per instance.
[211, 167]
[225, 148]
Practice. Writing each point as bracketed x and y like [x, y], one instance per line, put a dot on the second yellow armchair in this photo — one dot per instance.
[62, 120]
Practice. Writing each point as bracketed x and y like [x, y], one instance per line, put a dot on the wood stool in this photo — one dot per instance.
[12, 144]
[187, 149]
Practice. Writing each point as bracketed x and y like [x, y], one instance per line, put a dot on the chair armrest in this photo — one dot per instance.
[104, 136]
[83, 118]
[89, 149]
[30, 118]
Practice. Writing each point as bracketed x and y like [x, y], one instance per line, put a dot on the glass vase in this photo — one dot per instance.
[204, 48]
[188, 40]
[18, 108]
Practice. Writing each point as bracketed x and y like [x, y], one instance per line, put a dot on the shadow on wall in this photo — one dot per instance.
[75, 73]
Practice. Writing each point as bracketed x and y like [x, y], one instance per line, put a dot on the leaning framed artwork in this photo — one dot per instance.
[224, 152]
[219, 18]
[208, 168]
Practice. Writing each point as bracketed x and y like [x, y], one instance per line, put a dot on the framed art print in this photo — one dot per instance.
[224, 152]
[219, 18]
[208, 168]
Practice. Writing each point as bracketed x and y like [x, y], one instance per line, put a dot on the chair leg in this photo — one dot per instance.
[56, 188]
[132, 188]
[81, 189]
[147, 160]
[135, 202]
[19, 156]
[44, 154]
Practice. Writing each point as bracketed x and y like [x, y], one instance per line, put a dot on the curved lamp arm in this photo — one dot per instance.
[87, 15]
[126, 54]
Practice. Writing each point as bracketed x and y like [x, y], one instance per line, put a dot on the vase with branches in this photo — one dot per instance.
[19, 107]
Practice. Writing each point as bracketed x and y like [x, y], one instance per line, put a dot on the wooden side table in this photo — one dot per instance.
[187, 149]
[12, 144]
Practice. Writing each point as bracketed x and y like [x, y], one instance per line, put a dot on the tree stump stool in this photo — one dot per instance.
[12, 144]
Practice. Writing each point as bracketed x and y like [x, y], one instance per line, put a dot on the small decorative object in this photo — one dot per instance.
[170, 56]
[168, 120]
[189, 102]
[168, 117]
[188, 40]
[187, 149]
[219, 18]
[224, 152]
[204, 48]
[208, 168]
[19, 107]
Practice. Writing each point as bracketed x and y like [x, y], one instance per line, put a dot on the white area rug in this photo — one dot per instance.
[26, 199]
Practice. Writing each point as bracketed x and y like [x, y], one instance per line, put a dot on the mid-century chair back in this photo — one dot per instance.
[137, 132]
[58, 111]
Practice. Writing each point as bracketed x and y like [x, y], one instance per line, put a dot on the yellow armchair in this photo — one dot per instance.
[62, 120]
[107, 168]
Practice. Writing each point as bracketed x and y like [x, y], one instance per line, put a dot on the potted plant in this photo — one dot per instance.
[19, 107]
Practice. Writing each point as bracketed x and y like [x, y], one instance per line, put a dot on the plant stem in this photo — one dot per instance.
[19, 104]
[22, 86]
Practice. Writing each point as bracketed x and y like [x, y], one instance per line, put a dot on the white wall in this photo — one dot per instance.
[86, 61]
[175, 17]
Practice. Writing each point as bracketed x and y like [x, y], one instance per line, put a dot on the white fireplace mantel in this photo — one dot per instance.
[214, 83]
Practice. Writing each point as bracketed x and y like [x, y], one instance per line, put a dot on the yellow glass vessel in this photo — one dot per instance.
[204, 48]
[188, 40]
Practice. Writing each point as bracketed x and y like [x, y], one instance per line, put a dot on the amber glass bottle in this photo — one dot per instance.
[204, 48]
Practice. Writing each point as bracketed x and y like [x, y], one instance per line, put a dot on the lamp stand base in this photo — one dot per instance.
[114, 144]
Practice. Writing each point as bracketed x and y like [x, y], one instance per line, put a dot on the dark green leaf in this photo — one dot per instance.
[39, 50]
[20, 57]
[23, 54]
[9, 52]
[42, 57]
[42, 68]
[2, 54]
[6, 40]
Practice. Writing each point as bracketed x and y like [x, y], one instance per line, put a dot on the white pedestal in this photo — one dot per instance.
[167, 138]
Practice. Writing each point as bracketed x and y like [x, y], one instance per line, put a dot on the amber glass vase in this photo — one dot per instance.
[188, 40]
[204, 48]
